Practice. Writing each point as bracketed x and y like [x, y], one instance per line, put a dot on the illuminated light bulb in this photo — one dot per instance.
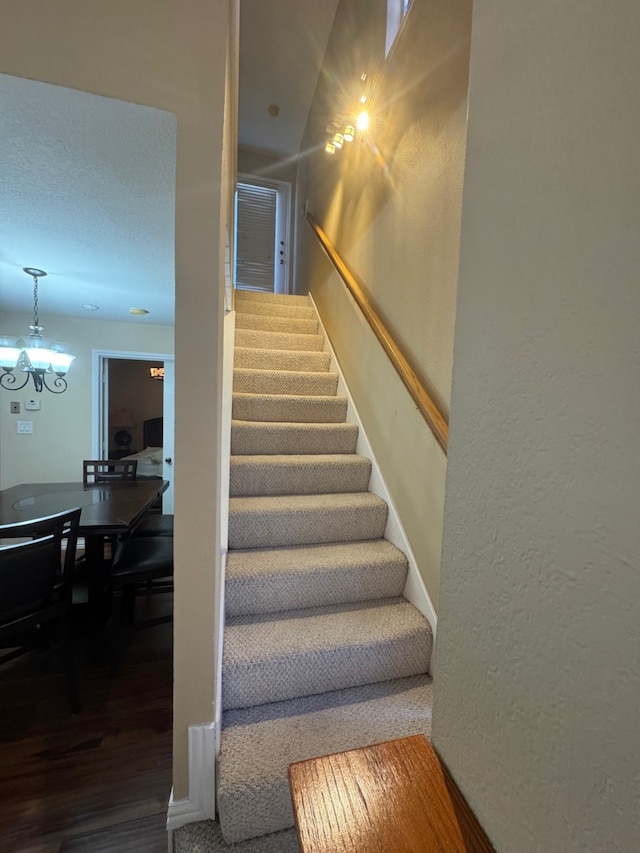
[330, 148]
[363, 99]
[349, 133]
[338, 140]
[362, 122]
[363, 76]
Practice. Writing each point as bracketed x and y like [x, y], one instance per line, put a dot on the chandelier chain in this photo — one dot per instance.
[35, 301]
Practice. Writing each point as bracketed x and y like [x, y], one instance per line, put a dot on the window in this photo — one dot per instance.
[396, 13]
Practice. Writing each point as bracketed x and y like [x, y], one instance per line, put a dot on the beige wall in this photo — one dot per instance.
[392, 207]
[537, 684]
[62, 429]
[172, 56]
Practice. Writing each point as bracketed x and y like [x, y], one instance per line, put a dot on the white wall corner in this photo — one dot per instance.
[201, 803]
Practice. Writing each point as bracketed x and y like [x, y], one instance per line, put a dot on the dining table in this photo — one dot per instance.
[111, 508]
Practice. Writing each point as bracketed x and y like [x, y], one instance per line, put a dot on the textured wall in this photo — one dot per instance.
[392, 206]
[537, 684]
[173, 56]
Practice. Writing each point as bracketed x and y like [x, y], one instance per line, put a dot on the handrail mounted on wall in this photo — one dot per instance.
[416, 389]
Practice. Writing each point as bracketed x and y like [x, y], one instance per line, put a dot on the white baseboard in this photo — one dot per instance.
[201, 803]
[415, 590]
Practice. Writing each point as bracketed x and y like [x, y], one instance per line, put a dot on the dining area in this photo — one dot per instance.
[79, 554]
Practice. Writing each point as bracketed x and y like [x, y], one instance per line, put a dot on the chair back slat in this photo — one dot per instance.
[107, 470]
[35, 571]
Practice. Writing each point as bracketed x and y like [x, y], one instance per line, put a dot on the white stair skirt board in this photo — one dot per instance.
[200, 804]
[415, 591]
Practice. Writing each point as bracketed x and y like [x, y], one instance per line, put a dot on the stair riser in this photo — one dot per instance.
[276, 409]
[275, 593]
[285, 382]
[276, 324]
[265, 359]
[249, 438]
[245, 686]
[276, 309]
[298, 476]
[257, 297]
[274, 529]
[278, 340]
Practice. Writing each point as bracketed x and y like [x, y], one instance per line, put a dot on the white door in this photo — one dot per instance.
[167, 432]
[262, 235]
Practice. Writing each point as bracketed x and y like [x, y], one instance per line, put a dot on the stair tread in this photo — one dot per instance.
[303, 576]
[277, 437]
[276, 309]
[258, 744]
[296, 474]
[304, 503]
[334, 556]
[273, 657]
[249, 320]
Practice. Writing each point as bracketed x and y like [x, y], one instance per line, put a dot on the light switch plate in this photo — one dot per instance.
[25, 427]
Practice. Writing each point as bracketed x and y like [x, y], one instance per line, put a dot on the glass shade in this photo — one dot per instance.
[9, 352]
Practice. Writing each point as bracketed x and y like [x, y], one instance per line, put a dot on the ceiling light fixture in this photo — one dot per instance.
[349, 133]
[39, 358]
[362, 122]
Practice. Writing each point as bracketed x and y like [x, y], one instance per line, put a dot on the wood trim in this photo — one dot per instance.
[419, 394]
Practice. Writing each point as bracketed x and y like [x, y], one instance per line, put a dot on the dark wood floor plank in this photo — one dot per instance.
[97, 781]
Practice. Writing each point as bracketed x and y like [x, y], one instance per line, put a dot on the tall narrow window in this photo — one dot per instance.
[256, 237]
[396, 12]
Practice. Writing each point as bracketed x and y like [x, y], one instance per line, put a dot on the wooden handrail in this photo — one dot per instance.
[416, 389]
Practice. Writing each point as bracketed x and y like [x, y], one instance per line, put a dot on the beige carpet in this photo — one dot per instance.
[321, 651]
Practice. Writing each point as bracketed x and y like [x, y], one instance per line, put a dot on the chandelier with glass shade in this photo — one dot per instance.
[46, 362]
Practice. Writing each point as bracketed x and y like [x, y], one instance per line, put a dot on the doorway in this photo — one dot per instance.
[262, 237]
[133, 412]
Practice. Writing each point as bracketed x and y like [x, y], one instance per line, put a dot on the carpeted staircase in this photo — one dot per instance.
[321, 651]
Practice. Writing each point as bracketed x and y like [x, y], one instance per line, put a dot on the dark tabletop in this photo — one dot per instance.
[106, 507]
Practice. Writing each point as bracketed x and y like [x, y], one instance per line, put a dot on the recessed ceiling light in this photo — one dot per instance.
[138, 311]
[273, 110]
[88, 307]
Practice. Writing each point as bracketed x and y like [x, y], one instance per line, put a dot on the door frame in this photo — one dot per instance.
[283, 222]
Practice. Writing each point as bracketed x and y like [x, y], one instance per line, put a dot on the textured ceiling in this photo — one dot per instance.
[87, 194]
[87, 184]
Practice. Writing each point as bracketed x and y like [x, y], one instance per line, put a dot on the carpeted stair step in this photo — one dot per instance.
[273, 522]
[261, 298]
[205, 836]
[248, 437]
[278, 340]
[258, 744]
[276, 324]
[298, 475]
[276, 309]
[274, 657]
[300, 383]
[268, 581]
[267, 359]
[288, 407]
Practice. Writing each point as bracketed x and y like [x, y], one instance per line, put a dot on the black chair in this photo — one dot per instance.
[154, 524]
[107, 470]
[35, 588]
[139, 560]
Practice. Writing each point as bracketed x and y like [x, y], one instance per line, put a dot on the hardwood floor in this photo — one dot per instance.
[99, 781]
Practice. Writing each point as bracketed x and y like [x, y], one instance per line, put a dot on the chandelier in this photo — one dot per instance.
[46, 362]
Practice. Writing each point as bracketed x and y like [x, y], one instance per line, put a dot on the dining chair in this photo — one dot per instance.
[107, 470]
[142, 565]
[36, 588]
